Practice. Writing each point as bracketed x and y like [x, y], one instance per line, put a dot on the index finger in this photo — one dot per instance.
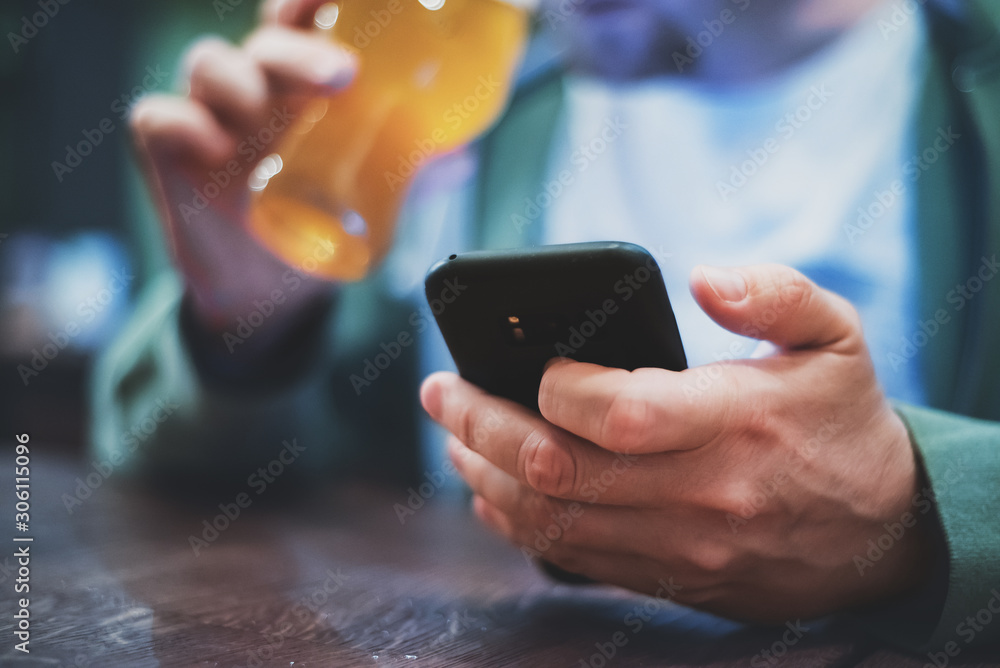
[635, 412]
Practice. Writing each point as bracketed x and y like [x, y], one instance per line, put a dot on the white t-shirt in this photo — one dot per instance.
[773, 173]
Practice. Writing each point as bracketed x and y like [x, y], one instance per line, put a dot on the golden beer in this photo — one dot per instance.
[432, 76]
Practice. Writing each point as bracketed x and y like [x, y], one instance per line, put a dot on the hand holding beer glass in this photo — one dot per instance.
[373, 89]
[433, 74]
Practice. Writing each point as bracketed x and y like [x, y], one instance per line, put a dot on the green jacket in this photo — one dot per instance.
[157, 408]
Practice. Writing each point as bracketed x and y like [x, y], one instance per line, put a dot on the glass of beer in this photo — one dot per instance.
[433, 75]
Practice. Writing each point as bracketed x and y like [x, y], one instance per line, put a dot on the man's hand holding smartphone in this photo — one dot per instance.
[752, 494]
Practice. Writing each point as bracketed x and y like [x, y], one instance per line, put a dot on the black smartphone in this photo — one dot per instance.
[505, 313]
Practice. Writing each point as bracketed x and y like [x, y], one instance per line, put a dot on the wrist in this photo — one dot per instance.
[264, 348]
[910, 614]
[910, 537]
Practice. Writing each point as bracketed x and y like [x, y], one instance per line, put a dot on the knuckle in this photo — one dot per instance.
[794, 293]
[203, 55]
[733, 410]
[263, 42]
[627, 422]
[159, 118]
[477, 425]
[546, 465]
[142, 116]
[712, 558]
[733, 498]
[254, 44]
[465, 421]
[744, 416]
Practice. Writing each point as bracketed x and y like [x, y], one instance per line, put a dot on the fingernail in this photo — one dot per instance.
[726, 284]
[334, 70]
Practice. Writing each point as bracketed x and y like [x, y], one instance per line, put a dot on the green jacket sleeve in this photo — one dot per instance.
[961, 458]
[154, 411]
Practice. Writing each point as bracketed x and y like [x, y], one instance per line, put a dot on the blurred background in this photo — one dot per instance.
[71, 199]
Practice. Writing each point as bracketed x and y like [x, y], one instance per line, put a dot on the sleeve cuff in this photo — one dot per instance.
[960, 606]
[157, 411]
[228, 363]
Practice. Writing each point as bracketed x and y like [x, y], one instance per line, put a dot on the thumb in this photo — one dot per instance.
[777, 304]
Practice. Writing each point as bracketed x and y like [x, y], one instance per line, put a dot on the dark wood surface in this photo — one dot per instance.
[330, 577]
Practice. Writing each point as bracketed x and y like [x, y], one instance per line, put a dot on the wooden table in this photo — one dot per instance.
[330, 577]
